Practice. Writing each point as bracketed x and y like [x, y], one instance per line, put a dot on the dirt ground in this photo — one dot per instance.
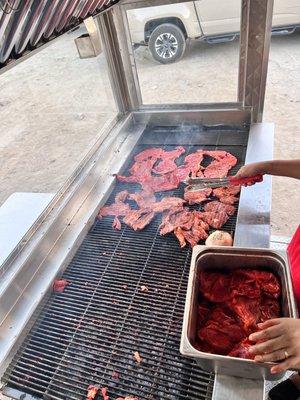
[53, 105]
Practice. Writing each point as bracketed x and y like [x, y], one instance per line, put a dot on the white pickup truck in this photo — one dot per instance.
[165, 29]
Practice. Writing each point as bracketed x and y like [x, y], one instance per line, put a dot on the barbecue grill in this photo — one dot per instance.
[54, 345]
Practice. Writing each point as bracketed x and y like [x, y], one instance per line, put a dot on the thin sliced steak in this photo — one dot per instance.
[167, 203]
[197, 196]
[143, 199]
[227, 195]
[191, 167]
[155, 152]
[117, 224]
[223, 162]
[216, 206]
[138, 219]
[179, 233]
[167, 164]
[215, 219]
[175, 218]
[114, 210]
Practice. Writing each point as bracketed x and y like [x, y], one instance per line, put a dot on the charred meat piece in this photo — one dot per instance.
[227, 194]
[197, 196]
[217, 206]
[138, 219]
[223, 162]
[215, 219]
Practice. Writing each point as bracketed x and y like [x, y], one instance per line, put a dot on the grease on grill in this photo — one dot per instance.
[93, 328]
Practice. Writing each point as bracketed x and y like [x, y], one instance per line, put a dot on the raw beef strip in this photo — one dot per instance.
[216, 206]
[149, 153]
[222, 334]
[221, 165]
[143, 199]
[117, 209]
[227, 194]
[179, 233]
[215, 219]
[241, 350]
[269, 309]
[167, 203]
[266, 281]
[161, 183]
[175, 218]
[138, 219]
[191, 167]
[204, 313]
[215, 286]
[197, 196]
[248, 311]
[167, 164]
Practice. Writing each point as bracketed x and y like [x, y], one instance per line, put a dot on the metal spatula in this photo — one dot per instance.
[203, 183]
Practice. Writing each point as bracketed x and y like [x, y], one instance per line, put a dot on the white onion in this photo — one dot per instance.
[219, 238]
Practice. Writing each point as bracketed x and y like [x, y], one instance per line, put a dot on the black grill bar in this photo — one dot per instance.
[91, 330]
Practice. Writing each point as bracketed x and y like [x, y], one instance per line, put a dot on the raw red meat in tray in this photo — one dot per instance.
[230, 290]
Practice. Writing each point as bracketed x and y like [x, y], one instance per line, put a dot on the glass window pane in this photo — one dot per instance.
[187, 52]
[52, 109]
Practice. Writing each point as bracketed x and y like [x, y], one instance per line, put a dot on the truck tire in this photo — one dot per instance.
[167, 43]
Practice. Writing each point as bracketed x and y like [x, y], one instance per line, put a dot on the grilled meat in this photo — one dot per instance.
[59, 285]
[215, 219]
[197, 196]
[92, 392]
[217, 206]
[167, 164]
[223, 162]
[167, 203]
[143, 199]
[138, 219]
[227, 195]
[117, 224]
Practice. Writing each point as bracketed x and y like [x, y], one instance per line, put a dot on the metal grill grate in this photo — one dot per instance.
[92, 329]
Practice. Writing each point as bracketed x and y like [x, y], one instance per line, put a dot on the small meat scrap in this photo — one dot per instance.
[138, 219]
[144, 288]
[227, 195]
[179, 233]
[117, 224]
[59, 285]
[217, 206]
[92, 392]
[115, 375]
[137, 357]
[223, 162]
[197, 196]
[104, 393]
[215, 219]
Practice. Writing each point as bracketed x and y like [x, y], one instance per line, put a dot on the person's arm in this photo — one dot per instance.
[289, 168]
[278, 341]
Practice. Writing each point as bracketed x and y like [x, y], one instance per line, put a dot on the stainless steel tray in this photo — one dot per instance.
[232, 258]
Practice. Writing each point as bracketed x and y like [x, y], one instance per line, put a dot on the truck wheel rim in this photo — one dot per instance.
[166, 45]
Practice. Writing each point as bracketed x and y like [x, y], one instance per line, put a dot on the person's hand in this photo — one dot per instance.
[278, 340]
[250, 170]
